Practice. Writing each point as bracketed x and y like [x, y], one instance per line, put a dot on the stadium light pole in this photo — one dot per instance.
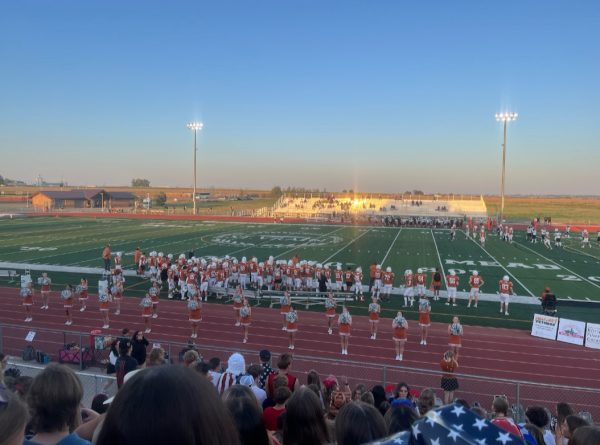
[504, 118]
[195, 126]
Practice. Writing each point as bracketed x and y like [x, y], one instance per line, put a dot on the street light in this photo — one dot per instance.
[195, 126]
[505, 118]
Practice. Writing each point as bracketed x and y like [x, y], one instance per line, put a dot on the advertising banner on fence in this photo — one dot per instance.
[571, 331]
[592, 336]
[544, 326]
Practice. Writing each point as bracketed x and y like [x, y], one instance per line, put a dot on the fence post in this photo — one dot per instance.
[1, 338]
[170, 356]
[384, 379]
[81, 352]
[518, 397]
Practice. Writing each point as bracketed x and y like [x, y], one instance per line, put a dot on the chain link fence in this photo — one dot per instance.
[91, 358]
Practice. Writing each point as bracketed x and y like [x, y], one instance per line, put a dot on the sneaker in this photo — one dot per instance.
[147, 331]
[284, 328]
[105, 326]
[500, 310]
[447, 304]
[453, 304]
[475, 305]
[375, 337]
[400, 357]
[421, 342]
[329, 331]
[82, 309]
[170, 297]
[425, 342]
[343, 352]
[245, 340]
[237, 323]
[117, 312]
[154, 315]
[469, 305]
[28, 319]
[506, 313]
[42, 307]
[67, 322]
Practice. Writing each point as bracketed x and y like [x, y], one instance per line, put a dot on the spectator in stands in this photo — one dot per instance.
[532, 434]
[586, 435]
[251, 380]
[125, 363]
[201, 368]
[538, 416]
[247, 415]
[98, 404]
[271, 413]
[283, 364]
[236, 367]
[215, 370]
[265, 362]
[156, 357]
[313, 378]
[477, 409]
[571, 423]
[500, 409]
[368, 398]
[358, 391]
[190, 357]
[402, 391]
[303, 422]
[358, 423]
[54, 402]
[192, 412]
[400, 417]
[379, 397]
[13, 420]
[426, 401]
[139, 343]
[3, 389]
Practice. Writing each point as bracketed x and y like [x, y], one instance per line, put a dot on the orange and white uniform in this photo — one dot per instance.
[104, 301]
[146, 306]
[345, 321]
[82, 290]
[451, 285]
[424, 311]
[506, 288]
[421, 279]
[291, 319]
[27, 295]
[195, 311]
[455, 332]
[285, 303]
[245, 316]
[374, 310]
[67, 297]
[399, 324]
[330, 305]
[46, 282]
[475, 282]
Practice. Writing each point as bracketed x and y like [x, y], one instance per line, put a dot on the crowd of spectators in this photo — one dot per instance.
[198, 402]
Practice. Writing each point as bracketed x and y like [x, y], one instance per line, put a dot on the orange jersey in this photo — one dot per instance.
[348, 276]
[338, 274]
[452, 280]
[372, 269]
[475, 282]
[388, 277]
[421, 278]
[505, 287]
[408, 281]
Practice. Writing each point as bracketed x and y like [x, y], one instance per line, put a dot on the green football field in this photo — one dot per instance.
[572, 272]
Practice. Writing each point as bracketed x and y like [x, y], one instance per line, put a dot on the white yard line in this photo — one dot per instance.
[439, 258]
[559, 265]
[354, 240]
[505, 269]
[306, 243]
[391, 245]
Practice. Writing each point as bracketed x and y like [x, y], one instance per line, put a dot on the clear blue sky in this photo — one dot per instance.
[369, 95]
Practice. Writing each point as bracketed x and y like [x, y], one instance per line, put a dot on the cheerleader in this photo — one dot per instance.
[455, 332]
[245, 318]
[330, 305]
[45, 281]
[424, 318]
[27, 294]
[82, 290]
[285, 301]
[117, 290]
[292, 326]
[345, 322]
[237, 304]
[67, 297]
[195, 310]
[104, 300]
[154, 293]
[374, 310]
[146, 304]
[400, 326]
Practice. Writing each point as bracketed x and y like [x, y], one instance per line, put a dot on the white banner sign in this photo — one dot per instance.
[544, 326]
[571, 331]
[592, 336]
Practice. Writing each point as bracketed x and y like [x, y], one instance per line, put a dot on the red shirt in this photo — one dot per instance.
[507, 425]
[270, 416]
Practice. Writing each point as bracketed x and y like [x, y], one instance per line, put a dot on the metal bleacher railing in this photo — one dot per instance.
[473, 388]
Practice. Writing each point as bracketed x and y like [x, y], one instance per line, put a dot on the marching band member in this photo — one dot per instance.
[292, 326]
[67, 298]
[82, 290]
[146, 304]
[245, 318]
[400, 326]
[330, 305]
[26, 293]
[45, 281]
[455, 333]
[374, 310]
[345, 323]
[424, 318]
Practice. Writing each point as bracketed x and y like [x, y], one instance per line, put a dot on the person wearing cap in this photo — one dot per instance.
[267, 370]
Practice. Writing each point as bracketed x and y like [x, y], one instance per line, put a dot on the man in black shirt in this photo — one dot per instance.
[125, 363]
